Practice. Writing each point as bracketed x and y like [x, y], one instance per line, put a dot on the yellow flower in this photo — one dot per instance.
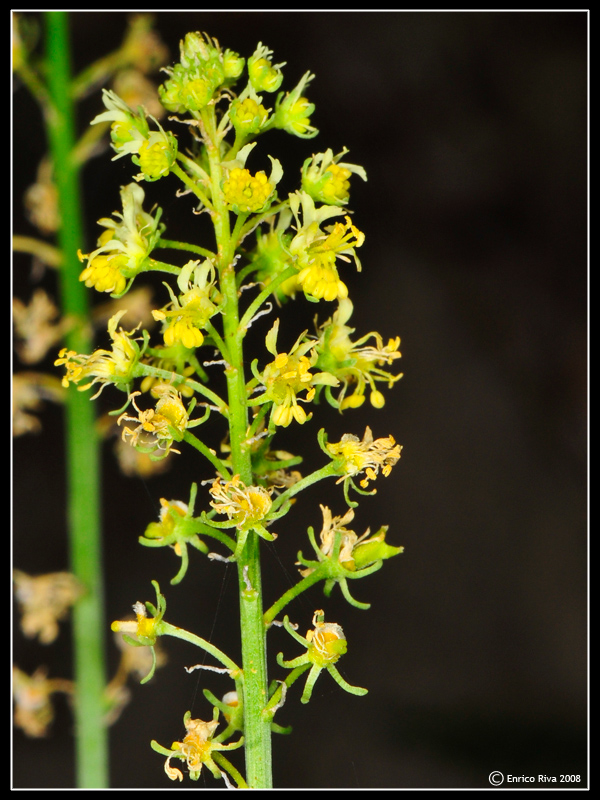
[102, 366]
[103, 273]
[368, 456]
[248, 115]
[157, 427]
[156, 156]
[186, 315]
[293, 111]
[196, 749]
[327, 641]
[153, 151]
[355, 363]
[244, 505]
[316, 252]
[264, 76]
[124, 246]
[247, 192]
[348, 539]
[170, 511]
[143, 626]
[327, 180]
[288, 375]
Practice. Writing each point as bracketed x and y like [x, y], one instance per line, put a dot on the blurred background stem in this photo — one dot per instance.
[82, 445]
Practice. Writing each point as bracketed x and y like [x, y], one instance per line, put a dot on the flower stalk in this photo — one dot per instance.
[83, 475]
[301, 250]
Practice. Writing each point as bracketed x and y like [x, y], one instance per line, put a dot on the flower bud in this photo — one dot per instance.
[233, 64]
[264, 76]
[374, 549]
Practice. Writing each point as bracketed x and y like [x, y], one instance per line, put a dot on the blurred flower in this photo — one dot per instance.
[37, 327]
[33, 709]
[41, 200]
[44, 600]
[28, 391]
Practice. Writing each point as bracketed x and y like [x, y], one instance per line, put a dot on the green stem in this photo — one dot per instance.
[165, 629]
[292, 593]
[170, 244]
[207, 453]
[257, 730]
[260, 299]
[191, 185]
[83, 474]
[152, 265]
[328, 471]
[145, 369]
[293, 676]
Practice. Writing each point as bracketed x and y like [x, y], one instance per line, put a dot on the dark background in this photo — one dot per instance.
[473, 130]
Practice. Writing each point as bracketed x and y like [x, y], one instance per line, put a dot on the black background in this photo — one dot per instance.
[472, 128]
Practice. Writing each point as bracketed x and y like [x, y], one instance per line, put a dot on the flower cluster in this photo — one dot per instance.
[153, 151]
[203, 68]
[303, 241]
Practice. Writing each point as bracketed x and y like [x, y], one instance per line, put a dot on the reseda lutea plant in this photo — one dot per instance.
[277, 248]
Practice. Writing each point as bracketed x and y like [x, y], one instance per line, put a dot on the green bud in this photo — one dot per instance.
[233, 64]
[375, 549]
[264, 76]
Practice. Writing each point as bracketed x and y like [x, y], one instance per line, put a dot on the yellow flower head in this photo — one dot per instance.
[187, 314]
[157, 427]
[196, 746]
[355, 364]
[248, 116]
[124, 246]
[368, 456]
[288, 375]
[264, 76]
[327, 180]
[244, 505]
[316, 252]
[102, 366]
[246, 192]
[103, 273]
[156, 155]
